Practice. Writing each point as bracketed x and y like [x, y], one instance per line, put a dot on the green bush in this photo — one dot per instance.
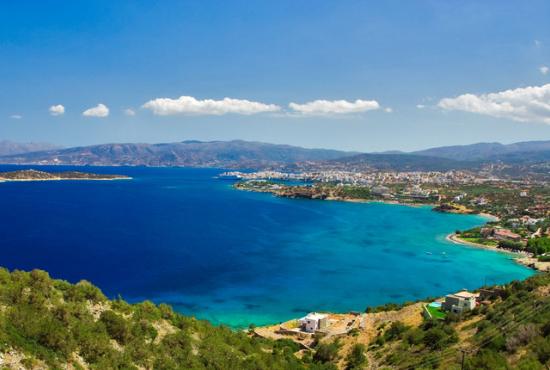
[116, 326]
[395, 331]
[356, 359]
[539, 246]
[327, 352]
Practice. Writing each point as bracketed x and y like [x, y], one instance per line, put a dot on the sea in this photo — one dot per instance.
[187, 238]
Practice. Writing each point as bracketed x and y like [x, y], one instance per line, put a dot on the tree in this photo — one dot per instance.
[538, 245]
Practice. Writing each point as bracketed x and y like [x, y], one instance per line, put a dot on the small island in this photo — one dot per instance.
[35, 175]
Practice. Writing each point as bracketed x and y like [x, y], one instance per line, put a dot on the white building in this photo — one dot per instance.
[459, 302]
[313, 321]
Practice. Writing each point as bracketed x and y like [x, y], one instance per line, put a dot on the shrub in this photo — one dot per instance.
[356, 358]
[116, 326]
[327, 352]
[395, 331]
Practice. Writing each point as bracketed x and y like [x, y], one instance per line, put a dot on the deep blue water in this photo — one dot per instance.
[182, 237]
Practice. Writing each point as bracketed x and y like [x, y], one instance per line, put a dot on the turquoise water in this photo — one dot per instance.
[183, 237]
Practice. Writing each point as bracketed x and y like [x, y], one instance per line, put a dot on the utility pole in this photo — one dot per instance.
[463, 358]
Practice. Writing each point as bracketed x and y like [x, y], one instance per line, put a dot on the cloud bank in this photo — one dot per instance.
[333, 107]
[99, 110]
[57, 110]
[528, 104]
[192, 106]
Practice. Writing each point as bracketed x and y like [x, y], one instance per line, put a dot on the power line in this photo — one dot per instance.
[488, 337]
[453, 351]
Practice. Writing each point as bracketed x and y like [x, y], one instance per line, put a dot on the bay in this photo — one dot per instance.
[183, 237]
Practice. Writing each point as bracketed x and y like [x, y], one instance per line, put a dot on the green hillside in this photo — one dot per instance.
[51, 323]
[47, 323]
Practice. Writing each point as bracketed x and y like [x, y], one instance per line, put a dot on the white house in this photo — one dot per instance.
[313, 321]
[459, 302]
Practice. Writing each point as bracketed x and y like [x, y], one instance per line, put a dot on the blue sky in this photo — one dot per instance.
[360, 75]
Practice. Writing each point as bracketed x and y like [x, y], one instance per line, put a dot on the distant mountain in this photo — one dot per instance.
[399, 162]
[11, 148]
[488, 151]
[254, 155]
[228, 154]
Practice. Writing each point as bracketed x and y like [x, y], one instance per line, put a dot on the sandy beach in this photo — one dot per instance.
[523, 258]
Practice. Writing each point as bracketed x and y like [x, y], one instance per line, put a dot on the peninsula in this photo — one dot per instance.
[34, 175]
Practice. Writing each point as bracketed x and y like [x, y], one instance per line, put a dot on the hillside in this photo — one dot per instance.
[228, 154]
[399, 162]
[490, 151]
[46, 323]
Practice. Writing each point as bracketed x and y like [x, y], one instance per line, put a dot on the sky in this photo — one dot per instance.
[353, 75]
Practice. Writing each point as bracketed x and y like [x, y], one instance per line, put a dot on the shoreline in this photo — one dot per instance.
[522, 258]
[348, 200]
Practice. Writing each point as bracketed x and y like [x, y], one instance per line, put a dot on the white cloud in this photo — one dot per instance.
[57, 110]
[99, 110]
[16, 116]
[129, 112]
[544, 70]
[538, 43]
[388, 110]
[333, 107]
[420, 106]
[193, 106]
[523, 104]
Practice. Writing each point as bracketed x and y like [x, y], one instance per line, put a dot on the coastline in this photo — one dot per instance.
[393, 202]
[523, 258]
[340, 199]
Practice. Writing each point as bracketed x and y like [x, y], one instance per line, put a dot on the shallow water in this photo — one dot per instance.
[183, 237]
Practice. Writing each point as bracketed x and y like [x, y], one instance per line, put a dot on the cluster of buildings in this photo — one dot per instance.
[363, 178]
[499, 234]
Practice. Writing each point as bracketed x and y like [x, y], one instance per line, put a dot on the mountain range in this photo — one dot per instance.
[10, 147]
[246, 154]
[486, 151]
[228, 154]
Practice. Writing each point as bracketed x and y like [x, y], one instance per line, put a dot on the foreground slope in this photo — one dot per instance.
[46, 323]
